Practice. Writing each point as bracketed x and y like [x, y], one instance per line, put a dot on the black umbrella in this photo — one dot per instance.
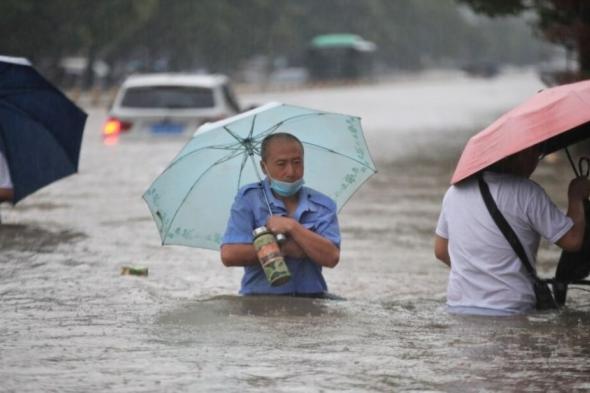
[40, 128]
[573, 267]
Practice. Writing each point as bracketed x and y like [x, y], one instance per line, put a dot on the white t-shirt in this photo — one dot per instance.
[485, 271]
[5, 181]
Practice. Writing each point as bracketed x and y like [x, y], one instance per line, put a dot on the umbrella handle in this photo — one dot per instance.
[569, 157]
[584, 166]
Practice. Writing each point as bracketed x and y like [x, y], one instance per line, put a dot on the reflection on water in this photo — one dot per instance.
[30, 238]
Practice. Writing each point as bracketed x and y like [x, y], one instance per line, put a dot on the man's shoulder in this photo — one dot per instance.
[248, 188]
[506, 183]
[514, 181]
[464, 187]
[525, 185]
[320, 198]
[521, 192]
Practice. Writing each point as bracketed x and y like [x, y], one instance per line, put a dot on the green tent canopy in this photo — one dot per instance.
[343, 40]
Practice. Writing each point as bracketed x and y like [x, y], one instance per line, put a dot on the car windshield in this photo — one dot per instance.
[172, 97]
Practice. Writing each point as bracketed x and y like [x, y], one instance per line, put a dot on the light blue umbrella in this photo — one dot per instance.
[191, 200]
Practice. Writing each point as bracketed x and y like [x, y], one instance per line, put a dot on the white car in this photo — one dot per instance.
[169, 104]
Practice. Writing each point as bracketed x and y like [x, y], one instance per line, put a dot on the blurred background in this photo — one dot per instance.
[265, 43]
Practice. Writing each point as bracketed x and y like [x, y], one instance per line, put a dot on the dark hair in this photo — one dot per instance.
[285, 136]
[510, 165]
[505, 166]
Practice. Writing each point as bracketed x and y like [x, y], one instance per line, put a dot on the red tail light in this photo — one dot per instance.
[114, 126]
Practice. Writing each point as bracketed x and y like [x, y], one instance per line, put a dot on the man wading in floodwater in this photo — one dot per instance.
[307, 218]
[487, 277]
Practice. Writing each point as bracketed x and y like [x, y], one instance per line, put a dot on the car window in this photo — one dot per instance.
[171, 97]
[230, 98]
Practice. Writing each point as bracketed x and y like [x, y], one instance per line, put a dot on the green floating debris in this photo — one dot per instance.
[134, 271]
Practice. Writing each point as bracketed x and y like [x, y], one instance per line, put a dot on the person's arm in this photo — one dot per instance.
[238, 255]
[441, 250]
[578, 191]
[317, 248]
[6, 195]
[245, 254]
[290, 248]
[237, 248]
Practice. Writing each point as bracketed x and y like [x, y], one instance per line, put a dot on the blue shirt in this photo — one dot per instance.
[316, 212]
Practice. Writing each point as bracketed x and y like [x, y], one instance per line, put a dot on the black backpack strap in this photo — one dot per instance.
[505, 228]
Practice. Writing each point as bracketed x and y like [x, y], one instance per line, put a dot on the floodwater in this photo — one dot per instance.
[69, 322]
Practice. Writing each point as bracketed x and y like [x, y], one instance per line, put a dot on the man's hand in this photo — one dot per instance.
[578, 191]
[308, 244]
[284, 225]
[6, 194]
[579, 188]
[280, 224]
[290, 248]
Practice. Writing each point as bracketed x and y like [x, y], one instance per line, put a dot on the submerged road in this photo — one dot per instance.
[70, 322]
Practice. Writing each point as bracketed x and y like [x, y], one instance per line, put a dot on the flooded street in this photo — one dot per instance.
[69, 322]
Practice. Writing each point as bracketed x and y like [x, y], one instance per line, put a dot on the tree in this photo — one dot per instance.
[565, 22]
[46, 31]
[102, 27]
[220, 35]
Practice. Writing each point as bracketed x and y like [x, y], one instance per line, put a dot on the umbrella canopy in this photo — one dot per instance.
[558, 116]
[40, 128]
[191, 200]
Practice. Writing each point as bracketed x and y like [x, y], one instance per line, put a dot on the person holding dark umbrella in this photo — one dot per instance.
[40, 131]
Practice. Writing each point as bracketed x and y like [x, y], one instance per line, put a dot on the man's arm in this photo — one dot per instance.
[290, 248]
[579, 189]
[245, 254]
[237, 248]
[6, 195]
[238, 255]
[317, 248]
[441, 250]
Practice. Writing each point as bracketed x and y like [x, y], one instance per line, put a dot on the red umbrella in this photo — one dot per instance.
[558, 116]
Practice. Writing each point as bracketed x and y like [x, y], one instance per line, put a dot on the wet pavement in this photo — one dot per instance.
[69, 322]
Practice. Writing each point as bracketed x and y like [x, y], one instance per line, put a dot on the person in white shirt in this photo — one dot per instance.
[6, 188]
[486, 276]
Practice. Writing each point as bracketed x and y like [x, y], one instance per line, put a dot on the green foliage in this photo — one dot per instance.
[497, 7]
[37, 28]
[566, 22]
[220, 34]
